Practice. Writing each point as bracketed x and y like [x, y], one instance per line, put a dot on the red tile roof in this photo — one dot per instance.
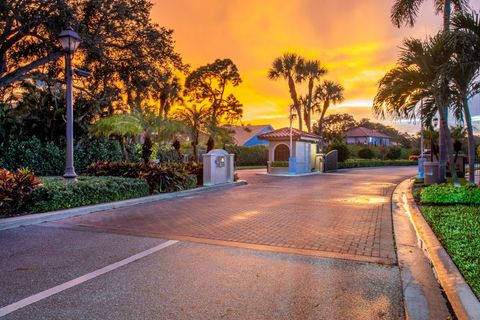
[364, 132]
[284, 134]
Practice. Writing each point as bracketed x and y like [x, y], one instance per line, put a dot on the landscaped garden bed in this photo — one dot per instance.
[23, 193]
[453, 213]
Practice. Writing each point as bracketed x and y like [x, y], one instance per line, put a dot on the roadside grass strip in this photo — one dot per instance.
[458, 229]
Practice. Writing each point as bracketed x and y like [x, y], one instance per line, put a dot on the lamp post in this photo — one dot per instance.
[70, 41]
[432, 144]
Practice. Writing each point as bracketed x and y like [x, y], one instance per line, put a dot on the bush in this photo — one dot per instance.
[15, 190]
[394, 153]
[161, 177]
[57, 193]
[48, 159]
[366, 153]
[279, 164]
[343, 152]
[446, 194]
[374, 163]
[166, 154]
[249, 156]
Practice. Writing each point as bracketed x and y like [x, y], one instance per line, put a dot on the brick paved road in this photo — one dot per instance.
[345, 215]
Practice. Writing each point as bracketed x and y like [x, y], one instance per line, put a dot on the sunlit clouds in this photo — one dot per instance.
[354, 39]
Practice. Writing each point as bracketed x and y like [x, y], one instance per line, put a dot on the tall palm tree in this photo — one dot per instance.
[326, 94]
[169, 93]
[310, 71]
[406, 11]
[464, 70]
[420, 76]
[289, 67]
[195, 118]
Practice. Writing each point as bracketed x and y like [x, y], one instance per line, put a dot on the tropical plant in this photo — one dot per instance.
[419, 79]
[335, 125]
[406, 11]
[169, 93]
[196, 120]
[145, 125]
[326, 94]
[15, 190]
[289, 67]
[464, 72]
[309, 71]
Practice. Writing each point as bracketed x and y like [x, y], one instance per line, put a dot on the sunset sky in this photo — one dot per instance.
[354, 39]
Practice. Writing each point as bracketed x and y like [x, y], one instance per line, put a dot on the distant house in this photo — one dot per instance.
[361, 135]
[248, 135]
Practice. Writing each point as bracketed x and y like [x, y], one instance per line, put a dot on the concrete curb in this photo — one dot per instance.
[9, 223]
[463, 301]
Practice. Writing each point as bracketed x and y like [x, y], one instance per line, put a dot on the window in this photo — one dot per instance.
[282, 153]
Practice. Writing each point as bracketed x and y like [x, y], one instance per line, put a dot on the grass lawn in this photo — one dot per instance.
[458, 229]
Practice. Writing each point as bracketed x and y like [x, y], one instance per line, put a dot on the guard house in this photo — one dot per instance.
[304, 147]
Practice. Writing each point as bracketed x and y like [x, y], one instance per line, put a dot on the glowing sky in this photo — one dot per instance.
[353, 38]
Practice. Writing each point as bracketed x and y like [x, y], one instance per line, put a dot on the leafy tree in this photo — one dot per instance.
[341, 147]
[289, 67]
[335, 126]
[366, 153]
[169, 94]
[210, 83]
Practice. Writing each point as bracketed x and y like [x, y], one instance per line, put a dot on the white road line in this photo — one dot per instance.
[89, 276]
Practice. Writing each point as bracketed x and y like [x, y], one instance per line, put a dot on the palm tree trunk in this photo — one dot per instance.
[308, 120]
[296, 103]
[471, 142]
[320, 123]
[448, 146]
[121, 140]
[447, 12]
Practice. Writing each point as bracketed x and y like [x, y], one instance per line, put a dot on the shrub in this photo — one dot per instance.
[374, 163]
[446, 194]
[15, 190]
[279, 164]
[161, 177]
[166, 154]
[394, 153]
[57, 193]
[249, 156]
[343, 152]
[366, 153]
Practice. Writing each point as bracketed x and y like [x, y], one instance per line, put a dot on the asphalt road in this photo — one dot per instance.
[318, 247]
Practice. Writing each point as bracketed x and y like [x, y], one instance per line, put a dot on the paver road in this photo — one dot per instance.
[317, 247]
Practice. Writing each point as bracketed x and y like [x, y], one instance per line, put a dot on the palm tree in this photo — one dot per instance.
[145, 125]
[420, 76]
[311, 71]
[289, 67]
[195, 118]
[406, 11]
[464, 70]
[326, 94]
[169, 92]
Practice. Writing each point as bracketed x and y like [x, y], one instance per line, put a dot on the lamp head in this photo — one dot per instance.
[69, 39]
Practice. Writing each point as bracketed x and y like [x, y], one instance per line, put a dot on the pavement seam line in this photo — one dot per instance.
[89, 276]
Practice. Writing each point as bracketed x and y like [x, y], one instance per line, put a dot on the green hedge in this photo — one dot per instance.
[458, 229]
[446, 194]
[249, 156]
[56, 193]
[280, 164]
[48, 159]
[375, 163]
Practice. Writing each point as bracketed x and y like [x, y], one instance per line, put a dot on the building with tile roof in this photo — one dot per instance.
[362, 135]
[248, 135]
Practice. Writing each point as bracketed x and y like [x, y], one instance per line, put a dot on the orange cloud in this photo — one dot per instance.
[354, 39]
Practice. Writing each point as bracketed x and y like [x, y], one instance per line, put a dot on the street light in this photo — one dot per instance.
[70, 40]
